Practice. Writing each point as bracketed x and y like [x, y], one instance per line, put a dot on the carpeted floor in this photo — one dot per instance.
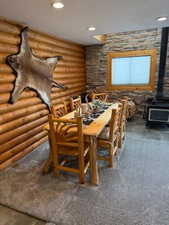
[12, 217]
[134, 192]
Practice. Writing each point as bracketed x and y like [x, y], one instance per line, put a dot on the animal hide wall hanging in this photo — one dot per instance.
[33, 72]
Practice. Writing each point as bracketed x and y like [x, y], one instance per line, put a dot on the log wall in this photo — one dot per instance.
[21, 124]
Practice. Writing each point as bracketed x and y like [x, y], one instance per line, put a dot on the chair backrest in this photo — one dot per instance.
[125, 100]
[120, 111]
[75, 103]
[124, 109]
[113, 124]
[100, 96]
[123, 117]
[67, 132]
[59, 110]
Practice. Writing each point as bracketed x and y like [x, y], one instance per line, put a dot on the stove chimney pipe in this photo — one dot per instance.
[162, 64]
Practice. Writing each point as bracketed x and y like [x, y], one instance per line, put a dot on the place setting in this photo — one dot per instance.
[91, 111]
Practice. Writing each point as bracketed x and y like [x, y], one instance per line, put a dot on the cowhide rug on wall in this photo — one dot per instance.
[32, 72]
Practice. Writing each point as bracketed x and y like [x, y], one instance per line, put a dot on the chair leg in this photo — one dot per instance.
[55, 162]
[56, 171]
[81, 178]
[110, 156]
[116, 146]
[120, 142]
[81, 168]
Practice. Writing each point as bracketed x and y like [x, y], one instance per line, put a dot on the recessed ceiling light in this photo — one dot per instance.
[92, 28]
[162, 18]
[58, 5]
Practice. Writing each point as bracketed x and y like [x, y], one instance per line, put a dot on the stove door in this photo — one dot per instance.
[159, 115]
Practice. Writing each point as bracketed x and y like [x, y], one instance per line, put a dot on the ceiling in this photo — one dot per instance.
[72, 22]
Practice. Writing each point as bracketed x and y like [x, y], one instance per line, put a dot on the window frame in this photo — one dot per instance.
[153, 69]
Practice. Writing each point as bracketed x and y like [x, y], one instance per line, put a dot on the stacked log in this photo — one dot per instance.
[131, 108]
[21, 124]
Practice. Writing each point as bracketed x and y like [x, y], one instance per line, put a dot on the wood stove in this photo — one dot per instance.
[157, 114]
[157, 109]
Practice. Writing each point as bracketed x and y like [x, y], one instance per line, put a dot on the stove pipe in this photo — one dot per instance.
[162, 64]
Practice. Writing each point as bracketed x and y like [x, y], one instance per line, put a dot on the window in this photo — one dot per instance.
[132, 70]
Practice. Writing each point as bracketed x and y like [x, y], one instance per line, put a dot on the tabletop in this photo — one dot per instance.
[96, 127]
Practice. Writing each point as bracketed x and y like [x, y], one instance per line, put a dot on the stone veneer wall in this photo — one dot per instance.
[96, 60]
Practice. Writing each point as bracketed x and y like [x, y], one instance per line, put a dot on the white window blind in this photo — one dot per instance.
[131, 70]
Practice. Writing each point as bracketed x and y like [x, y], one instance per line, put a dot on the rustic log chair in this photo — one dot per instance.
[123, 120]
[67, 139]
[75, 103]
[59, 110]
[100, 96]
[109, 138]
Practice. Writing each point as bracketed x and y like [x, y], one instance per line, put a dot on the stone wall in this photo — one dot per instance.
[96, 60]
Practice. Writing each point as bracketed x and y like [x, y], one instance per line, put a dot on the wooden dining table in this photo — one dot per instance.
[92, 131]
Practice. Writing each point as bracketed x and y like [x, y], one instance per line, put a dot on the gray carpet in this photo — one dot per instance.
[135, 192]
[12, 217]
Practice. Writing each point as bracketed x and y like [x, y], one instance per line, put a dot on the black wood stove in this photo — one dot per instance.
[157, 109]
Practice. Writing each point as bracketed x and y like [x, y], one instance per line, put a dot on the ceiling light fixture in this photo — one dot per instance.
[162, 18]
[58, 4]
[92, 28]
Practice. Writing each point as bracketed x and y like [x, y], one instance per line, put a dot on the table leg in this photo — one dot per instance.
[48, 164]
[93, 161]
